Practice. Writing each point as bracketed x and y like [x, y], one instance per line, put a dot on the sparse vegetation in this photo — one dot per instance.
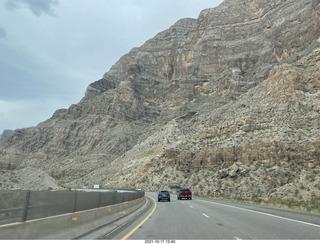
[312, 205]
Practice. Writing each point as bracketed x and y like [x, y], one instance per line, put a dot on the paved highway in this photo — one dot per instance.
[204, 219]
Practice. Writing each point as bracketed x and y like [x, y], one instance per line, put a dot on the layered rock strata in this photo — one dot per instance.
[226, 102]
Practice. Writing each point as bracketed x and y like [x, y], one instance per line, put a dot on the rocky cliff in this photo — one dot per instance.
[5, 134]
[227, 102]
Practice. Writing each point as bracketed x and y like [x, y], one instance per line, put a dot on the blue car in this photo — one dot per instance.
[163, 195]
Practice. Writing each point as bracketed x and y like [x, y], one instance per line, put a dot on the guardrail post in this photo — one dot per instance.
[99, 200]
[25, 207]
[75, 201]
[114, 197]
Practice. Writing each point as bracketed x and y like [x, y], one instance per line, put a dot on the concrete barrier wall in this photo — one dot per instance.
[68, 226]
[22, 205]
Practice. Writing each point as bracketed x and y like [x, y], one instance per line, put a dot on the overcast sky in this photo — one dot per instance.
[51, 50]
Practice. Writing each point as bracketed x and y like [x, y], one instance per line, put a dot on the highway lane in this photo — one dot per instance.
[203, 219]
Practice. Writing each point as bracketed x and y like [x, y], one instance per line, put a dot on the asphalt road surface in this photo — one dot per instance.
[205, 219]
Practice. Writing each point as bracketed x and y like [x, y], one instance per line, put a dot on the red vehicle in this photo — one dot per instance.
[184, 193]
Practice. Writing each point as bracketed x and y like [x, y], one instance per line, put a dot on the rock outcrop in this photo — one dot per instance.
[226, 102]
[5, 134]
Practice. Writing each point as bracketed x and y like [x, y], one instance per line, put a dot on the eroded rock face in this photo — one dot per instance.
[227, 102]
[242, 37]
[5, 134]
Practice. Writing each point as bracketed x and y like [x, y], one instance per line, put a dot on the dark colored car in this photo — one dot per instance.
[184, 193]
[163, 195]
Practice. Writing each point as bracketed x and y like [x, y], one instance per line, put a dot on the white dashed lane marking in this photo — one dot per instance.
[205, 215]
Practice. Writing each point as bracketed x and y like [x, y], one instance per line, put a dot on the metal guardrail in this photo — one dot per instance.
[19, 206]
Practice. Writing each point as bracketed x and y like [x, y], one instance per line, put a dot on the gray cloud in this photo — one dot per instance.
[37, 7]
[3, 32]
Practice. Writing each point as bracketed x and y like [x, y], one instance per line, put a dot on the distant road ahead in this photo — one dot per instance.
[204, 219]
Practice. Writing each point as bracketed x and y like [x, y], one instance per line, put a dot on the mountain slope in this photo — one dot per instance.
[227, 102]
[5, 134]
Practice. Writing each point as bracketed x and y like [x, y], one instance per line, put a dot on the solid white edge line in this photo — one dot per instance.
[271, 215]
